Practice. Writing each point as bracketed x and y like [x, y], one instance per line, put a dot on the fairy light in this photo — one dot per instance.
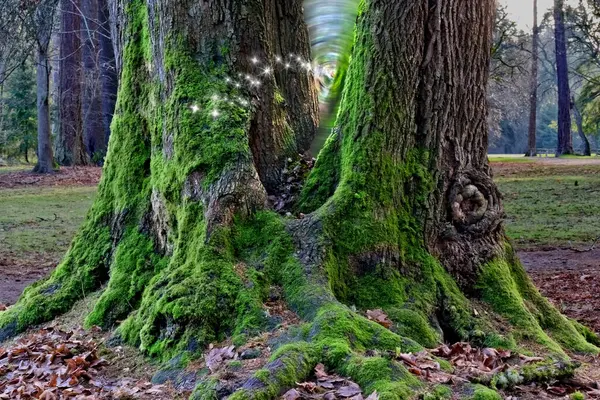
[254, 60]
[278, 59]
[195, 108]
[215, 97]
[215, 113]
[267, 71]
[288, 66]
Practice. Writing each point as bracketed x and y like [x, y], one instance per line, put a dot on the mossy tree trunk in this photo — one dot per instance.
[402, 213]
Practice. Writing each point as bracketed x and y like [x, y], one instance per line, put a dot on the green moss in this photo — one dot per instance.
[483, 393]
[289, 364]
[201, 296]
[135, 263]
[440, 392]
[206, 390]
[506, 287]
[391, 380]
[577, 396]
[412, 324]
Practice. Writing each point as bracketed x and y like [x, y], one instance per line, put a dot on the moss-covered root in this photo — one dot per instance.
[505, 285]
[338, 337]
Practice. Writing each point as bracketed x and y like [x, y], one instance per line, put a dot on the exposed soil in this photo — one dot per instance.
[18, 272]
[570, 279]
[66, 176]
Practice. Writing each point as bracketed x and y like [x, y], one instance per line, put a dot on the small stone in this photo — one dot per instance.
[250, 354]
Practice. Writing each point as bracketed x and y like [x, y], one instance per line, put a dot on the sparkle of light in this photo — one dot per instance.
[215, 113]
[195, 108]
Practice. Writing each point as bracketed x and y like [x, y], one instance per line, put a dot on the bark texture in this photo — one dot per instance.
[533, 97]
[70, 147]
[565, 139]
[108, 68]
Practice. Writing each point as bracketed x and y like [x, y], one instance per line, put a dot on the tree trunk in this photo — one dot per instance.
[587, 151]
[3, 132]
[92, 114]
[108, 69]
[401, 210]
[565, 140]
[44, 16]
[70, 147]
[533, 100]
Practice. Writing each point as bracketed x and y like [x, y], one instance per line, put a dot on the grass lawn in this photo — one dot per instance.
[42, 219]
[550, 205]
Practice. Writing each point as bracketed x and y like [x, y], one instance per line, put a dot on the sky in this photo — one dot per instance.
[522, 11]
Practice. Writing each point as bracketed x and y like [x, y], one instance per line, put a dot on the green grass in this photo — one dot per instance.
[552, 206]
[42, 219]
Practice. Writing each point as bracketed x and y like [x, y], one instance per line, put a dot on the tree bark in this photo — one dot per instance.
[565, 140]
[92, 113]
[70, 147]
[44, 19]
[587, 151]
[533, 100]
[401, 211]
[108, 69]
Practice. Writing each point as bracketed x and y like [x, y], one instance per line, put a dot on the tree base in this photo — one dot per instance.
[184, 306]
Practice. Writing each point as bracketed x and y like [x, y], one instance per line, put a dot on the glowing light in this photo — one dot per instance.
[267, 71]
[237, 85]
[287, 66]
[255, 83]
[299, 59]
[215, 97]
[248, 78]
[215, 113]
[254, 60]
[227, 80]
[278, 59]
[195, 108]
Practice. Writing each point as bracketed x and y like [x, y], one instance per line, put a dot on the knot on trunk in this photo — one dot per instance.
[474, 203]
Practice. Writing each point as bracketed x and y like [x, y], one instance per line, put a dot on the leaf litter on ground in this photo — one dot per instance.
[52, 364]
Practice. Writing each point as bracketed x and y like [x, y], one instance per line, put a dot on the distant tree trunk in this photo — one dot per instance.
[401, 210]
[70, 147]
[44, 20]
[108, 68]
[3, 134]
[565, 139]
[587, 151]
[93, 127]
[533, 100]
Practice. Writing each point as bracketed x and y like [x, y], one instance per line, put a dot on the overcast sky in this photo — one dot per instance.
[522, 10]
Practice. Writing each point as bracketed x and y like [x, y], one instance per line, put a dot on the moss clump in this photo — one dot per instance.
[440, 392]
[577, 396]
[414, 325]
[483, 393]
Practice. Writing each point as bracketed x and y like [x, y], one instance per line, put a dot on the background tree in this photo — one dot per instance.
[70, 147]
[43, 22]
[108, 69]
[400, 210]
[533, 95]
[92, 114]
[21, 119]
